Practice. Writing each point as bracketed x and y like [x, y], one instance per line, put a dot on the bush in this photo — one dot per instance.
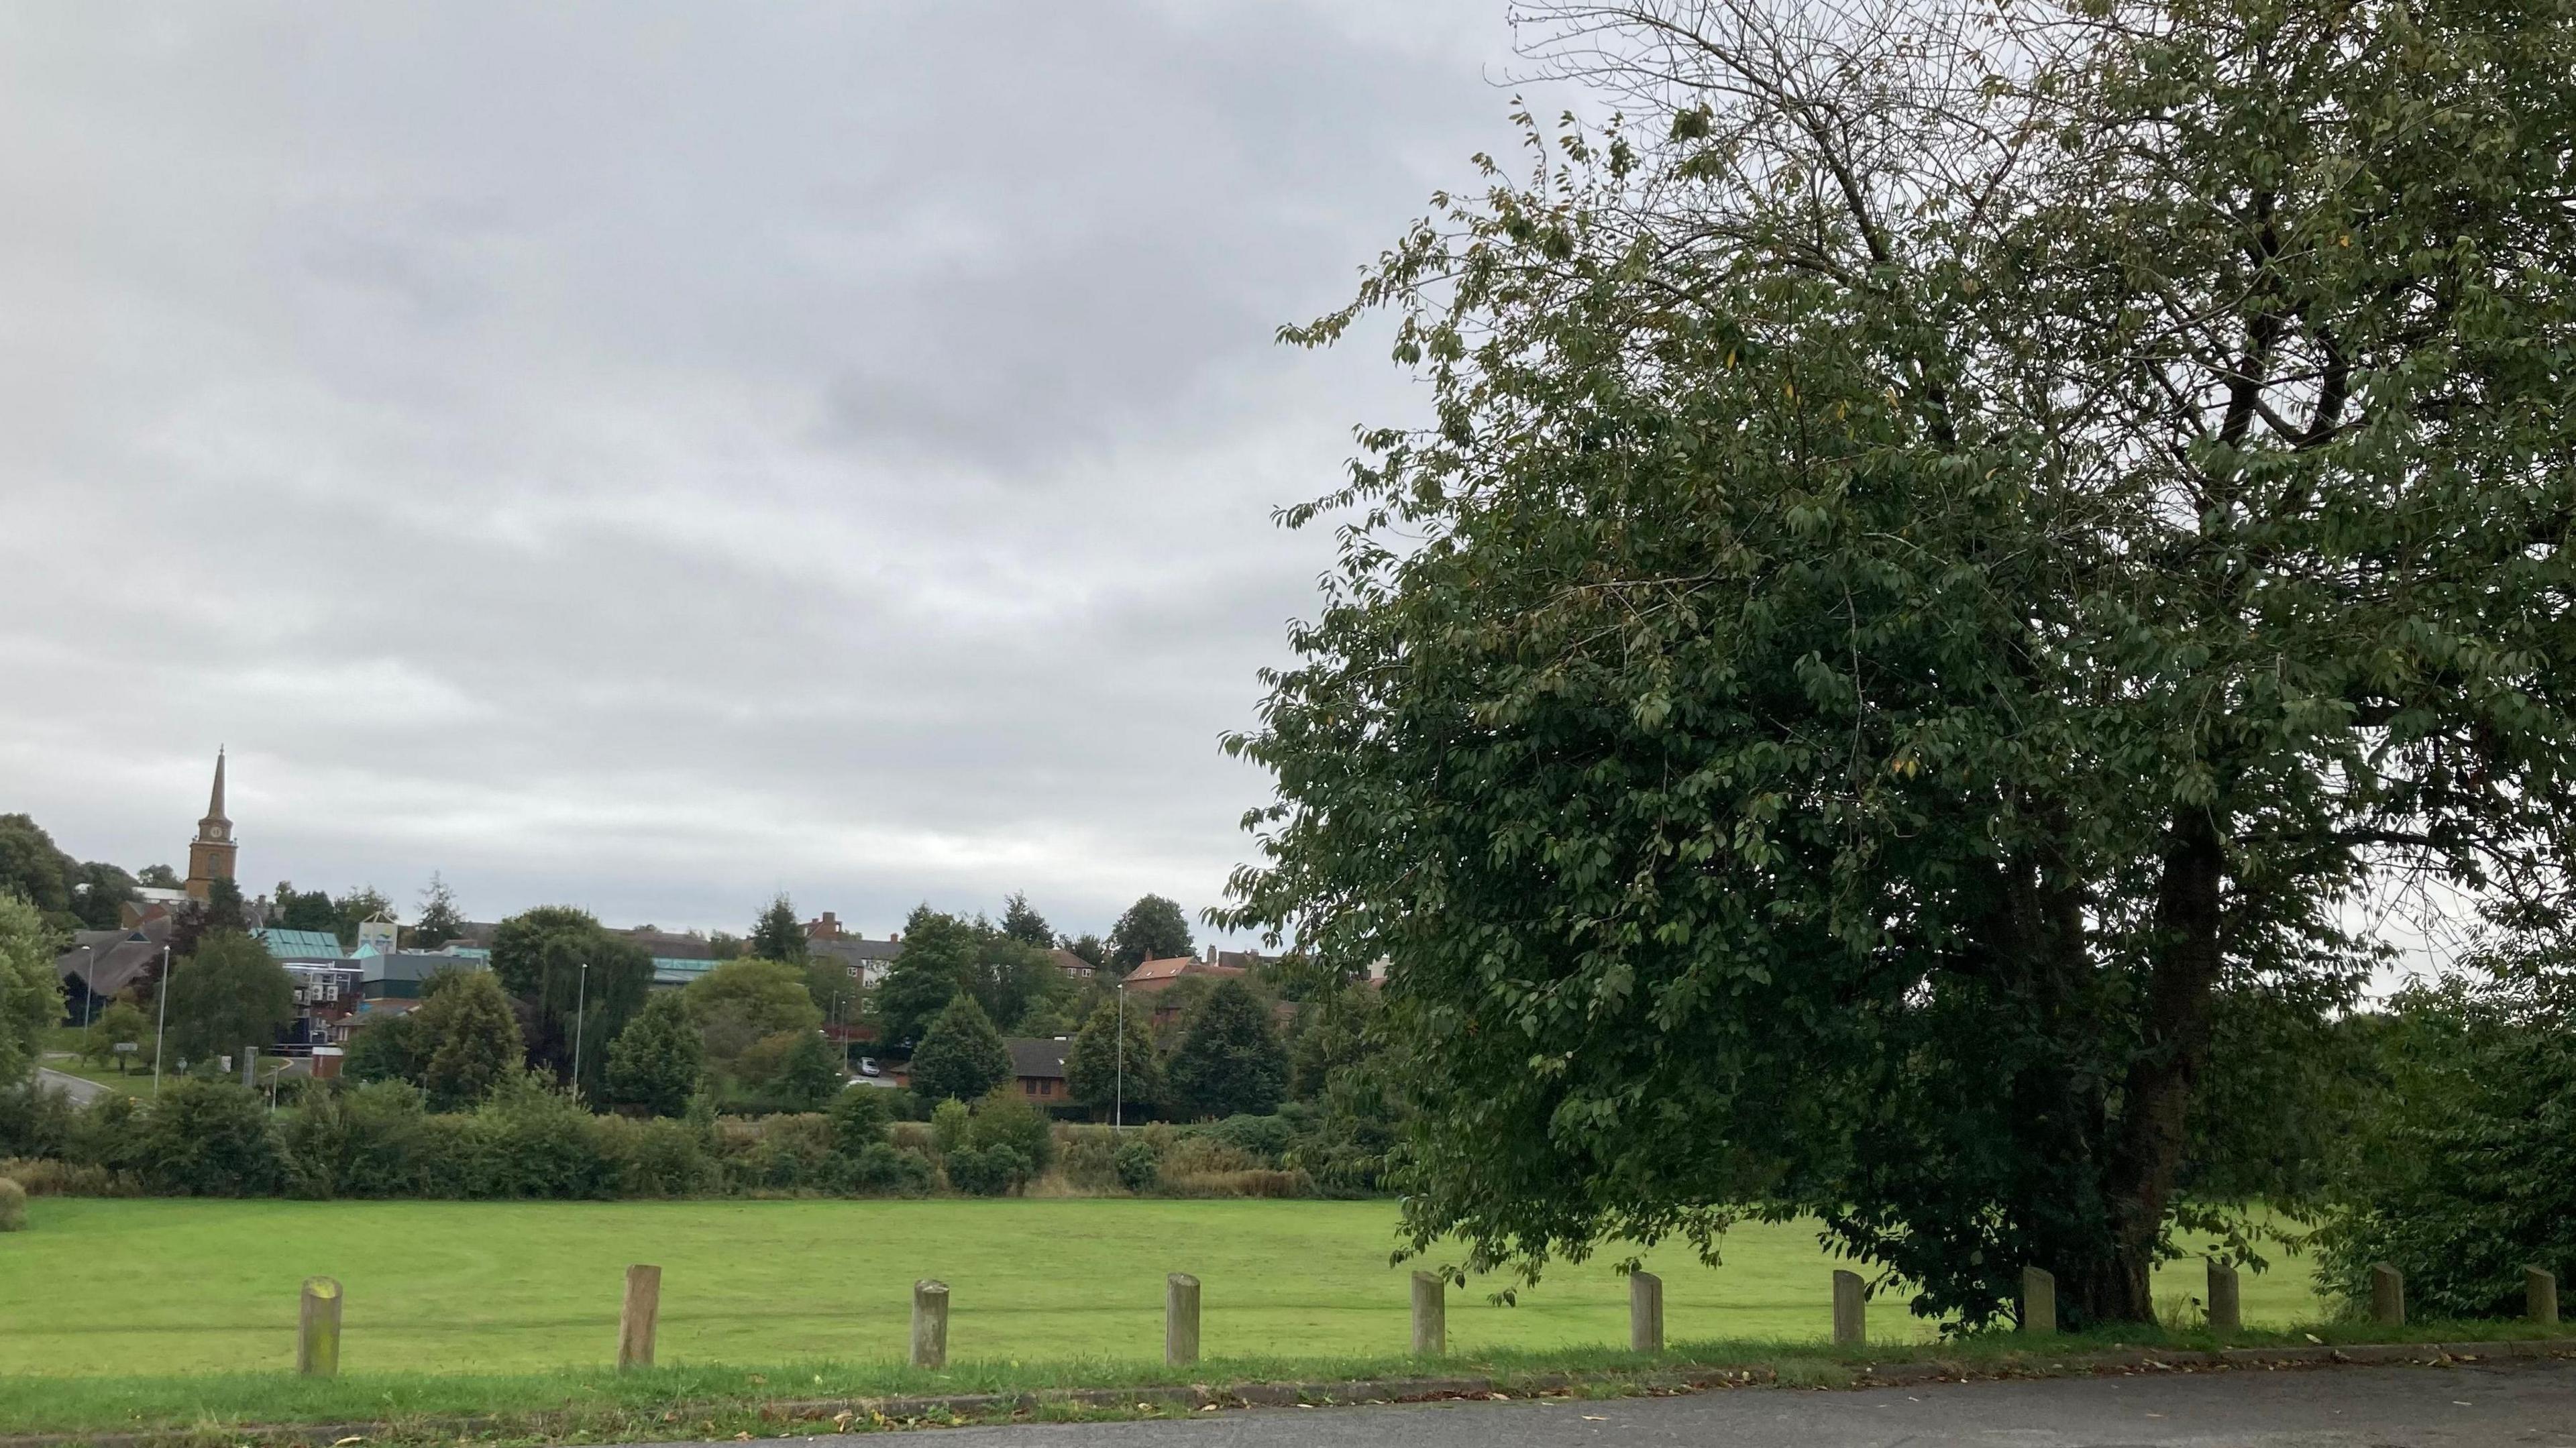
[989, 1172]
[913, 1136]
[533, 1141]
[859, 1118]
[48, 1177]
[950, 1123]
[13, 1206]
[658, 1157]
[1138, 1169]
[889, 1171]
[793, 1153]
[33, 1122]
[356, 1143]
[1266, 1137]
[207, 1138]
[1008, 1118]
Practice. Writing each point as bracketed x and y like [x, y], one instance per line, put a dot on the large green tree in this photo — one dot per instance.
[1022, 922]
[1972, 540]
[938, 952]
[656, 1062]
[1113, 1067]
[1229, 1060]
[439, 920]
[31, 994]
[472, 1036]
[1151, 929]
[961, 1056]
[579, 983]
[228, 994]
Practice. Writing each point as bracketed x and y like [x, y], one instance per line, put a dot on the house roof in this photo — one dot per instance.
[300, 944]
[114, 959]
[1068, 962]
[1155, 974]
[415, 965]
[670, 944]
[856, 948]
[1040, 1056]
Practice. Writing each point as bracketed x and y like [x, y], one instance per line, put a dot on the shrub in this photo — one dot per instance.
[536, 1142]
[793, 1153]
[658, 1157]
[13, 1206]
[33, 1122]
[883, 1170]
[859, 1118]
[207, 1138]
[989, 1172]
[1266, 1137]
[950, 1123]
[356, 1143]
[1138, 1169]
[1008, 1118]
[1086, 1158]
[108, 1135]
[49, 1177]
[657, 1061]
[913, 1136]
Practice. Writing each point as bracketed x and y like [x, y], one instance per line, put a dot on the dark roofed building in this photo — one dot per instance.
[866, 960]
[116, 960]
[1037, 1063]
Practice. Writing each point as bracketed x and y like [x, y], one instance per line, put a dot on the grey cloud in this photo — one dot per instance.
[651, 456]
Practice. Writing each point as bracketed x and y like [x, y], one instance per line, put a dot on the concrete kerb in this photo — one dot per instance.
[817, 1416]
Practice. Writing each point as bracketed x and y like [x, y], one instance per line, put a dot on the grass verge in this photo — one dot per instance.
[600, 1405]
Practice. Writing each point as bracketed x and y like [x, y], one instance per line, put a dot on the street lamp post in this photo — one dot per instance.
[580, 1014]
[162, 992]
[89, 993]
[1118, 1112]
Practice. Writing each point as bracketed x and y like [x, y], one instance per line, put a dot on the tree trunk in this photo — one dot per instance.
[2157, 1094]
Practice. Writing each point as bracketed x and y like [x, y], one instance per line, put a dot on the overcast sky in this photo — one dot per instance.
[649, 456]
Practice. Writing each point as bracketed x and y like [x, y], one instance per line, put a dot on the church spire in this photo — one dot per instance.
[215, 805]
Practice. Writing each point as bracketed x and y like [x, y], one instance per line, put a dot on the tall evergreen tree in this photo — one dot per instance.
[1091, 1068]
[657, 1061]
[961, 1057]
[439, 920]
[1022, 922]
[778, 934]
[1229, 1060]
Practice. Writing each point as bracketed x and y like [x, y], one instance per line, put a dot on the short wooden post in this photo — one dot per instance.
[2387, 1295]
[929, 1323]
[317, 1329]
[1851, 1310]
[1180, 1319]
[2225, 1313]
[1645, 1312]
[635, 1322]
[2038, 1300]
[1430, 1316]
[2540, 1294]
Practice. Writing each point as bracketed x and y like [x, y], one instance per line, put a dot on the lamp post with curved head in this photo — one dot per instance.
[89, 990]
[1118, 1112]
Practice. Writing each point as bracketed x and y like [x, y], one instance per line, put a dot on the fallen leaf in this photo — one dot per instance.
[1595, 1418]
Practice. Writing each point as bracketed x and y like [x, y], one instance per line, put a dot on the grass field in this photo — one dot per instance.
[182, 1287]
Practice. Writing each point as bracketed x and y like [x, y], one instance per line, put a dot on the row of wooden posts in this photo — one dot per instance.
[317, 1342]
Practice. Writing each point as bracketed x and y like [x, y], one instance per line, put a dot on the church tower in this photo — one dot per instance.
[210, 854]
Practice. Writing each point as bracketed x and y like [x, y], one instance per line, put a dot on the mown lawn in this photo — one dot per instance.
[160, 1287]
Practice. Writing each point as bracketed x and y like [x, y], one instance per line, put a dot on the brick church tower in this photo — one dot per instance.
[210, 854]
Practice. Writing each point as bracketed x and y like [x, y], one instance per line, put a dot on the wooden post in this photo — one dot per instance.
[1180, 1319]
[2038, 1300]
[1430, 1316]
[635, 1322]
[317, 1329]
[929, 1323]
[2540, 1294]
[2387, 1295]
[2225, 1314]
[1851, 1311]
[1645, 1312]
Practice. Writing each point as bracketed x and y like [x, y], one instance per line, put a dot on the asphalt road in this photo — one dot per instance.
[81, 1092]
[2352, 1407]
